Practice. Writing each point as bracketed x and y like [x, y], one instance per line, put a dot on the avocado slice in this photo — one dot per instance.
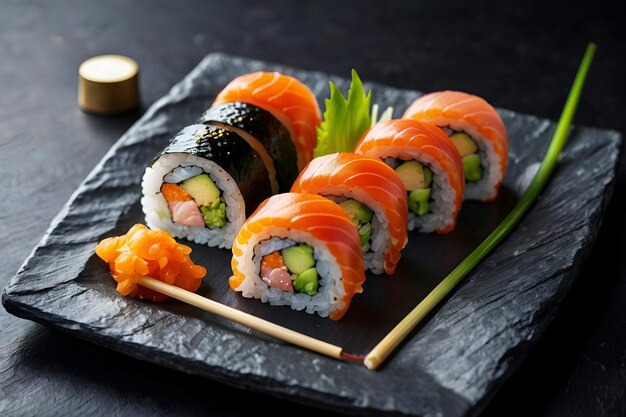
[365, 233]
[298, 258]
[412, 175]
[428, 176]
[202, 189]
[216, 203]
[358, 212]
[215, 214]
[464, 143]
[307, 282]
[472, 168]
[418, 201]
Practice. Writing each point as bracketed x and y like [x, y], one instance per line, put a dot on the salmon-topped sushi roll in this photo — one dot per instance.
[289, 100]
[478, 133]
[300, 250]
[428, 165]
[371, 194]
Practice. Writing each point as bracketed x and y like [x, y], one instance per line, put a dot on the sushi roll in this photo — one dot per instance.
[428, 165]
[204, 184]
[299, 250]
[371, 194]
[287, 99]
[263, 131]
[478, 133]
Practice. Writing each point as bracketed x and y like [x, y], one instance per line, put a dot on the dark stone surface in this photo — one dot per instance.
[519, 55]
[450, 367]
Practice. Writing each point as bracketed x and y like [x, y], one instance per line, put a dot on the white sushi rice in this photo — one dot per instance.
[177, 167]
[374, 252]
[330, 291]
[442, 196]
[381, 244]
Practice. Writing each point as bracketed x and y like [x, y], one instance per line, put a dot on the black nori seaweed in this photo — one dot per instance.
[231, 152]
[268, 130]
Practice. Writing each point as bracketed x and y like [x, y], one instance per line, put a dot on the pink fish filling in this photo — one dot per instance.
[186, 213]
[277, 278]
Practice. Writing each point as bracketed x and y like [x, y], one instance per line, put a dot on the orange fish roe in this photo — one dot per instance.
[272, 260]
[154, 253]
[173, 192]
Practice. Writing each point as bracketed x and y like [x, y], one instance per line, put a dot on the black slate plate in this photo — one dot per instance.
[450, 366]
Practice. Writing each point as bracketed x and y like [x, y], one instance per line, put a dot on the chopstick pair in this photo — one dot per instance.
[391, 341]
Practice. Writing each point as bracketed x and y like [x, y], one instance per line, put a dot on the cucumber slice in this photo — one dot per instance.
[298, 258]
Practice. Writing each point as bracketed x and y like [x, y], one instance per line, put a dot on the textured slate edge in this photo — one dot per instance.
[544, 316]
[555, 277]
[470, 384]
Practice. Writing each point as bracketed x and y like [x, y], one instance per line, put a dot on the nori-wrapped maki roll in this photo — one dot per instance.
[204, 184]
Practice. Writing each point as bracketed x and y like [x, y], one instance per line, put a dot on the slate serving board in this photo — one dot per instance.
[450, 366]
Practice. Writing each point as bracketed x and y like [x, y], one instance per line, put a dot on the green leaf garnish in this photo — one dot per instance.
[384, 116]
[345, 121]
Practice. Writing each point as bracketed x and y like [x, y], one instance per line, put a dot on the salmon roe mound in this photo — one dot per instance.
[154, 253]
[273, 260]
